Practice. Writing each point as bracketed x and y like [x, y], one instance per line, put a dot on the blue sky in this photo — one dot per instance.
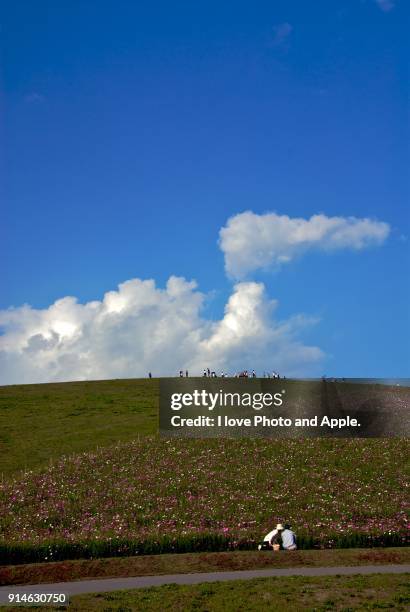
[133, 131]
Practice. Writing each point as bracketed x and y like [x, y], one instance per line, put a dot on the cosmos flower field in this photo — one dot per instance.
[223, 493]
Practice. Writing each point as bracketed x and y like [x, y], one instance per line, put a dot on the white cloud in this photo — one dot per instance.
[386, 5]
[251, 242]
[141, 328]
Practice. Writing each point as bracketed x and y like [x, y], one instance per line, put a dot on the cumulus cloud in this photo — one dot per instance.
[140, 328]
[250, 241]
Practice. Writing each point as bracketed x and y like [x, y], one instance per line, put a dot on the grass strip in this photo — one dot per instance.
[389, 591]
[151, 565]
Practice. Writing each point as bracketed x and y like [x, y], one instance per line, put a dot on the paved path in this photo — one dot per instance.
[116, 584]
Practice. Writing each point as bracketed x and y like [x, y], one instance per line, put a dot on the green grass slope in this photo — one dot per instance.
[99, 481]
[39, 423]
[154, 496]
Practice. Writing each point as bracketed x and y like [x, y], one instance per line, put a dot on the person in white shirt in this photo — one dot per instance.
[271, 539]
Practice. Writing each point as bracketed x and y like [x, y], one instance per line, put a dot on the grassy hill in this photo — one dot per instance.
[100, 482]
[39, 423]
[153, 495]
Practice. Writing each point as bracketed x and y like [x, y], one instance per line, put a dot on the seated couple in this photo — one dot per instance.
[282, 537]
